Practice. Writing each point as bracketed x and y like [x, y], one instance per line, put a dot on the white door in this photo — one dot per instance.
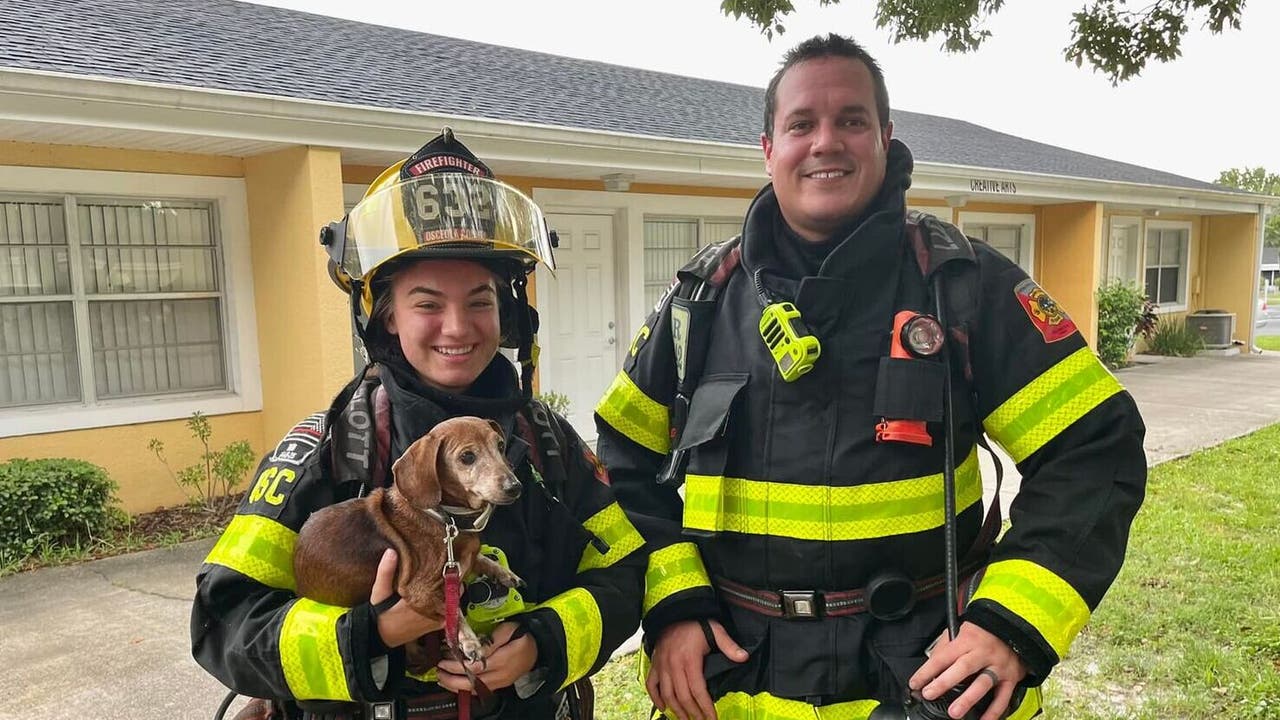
[579, 327]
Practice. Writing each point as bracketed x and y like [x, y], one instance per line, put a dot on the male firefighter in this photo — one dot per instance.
[793, 495]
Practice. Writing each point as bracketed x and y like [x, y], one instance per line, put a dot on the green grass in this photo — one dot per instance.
[1268, 342]
[1191, 628]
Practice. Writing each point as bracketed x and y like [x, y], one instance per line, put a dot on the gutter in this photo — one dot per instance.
[133, 105]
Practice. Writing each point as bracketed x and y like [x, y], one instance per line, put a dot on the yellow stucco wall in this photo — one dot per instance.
[1068, 260]
[1228, 259]
[304, 326]
[122, 452]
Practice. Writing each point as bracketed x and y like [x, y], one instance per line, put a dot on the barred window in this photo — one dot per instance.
[102, 299]
[670, 242]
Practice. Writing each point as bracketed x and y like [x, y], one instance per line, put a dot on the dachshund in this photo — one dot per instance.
[459, 469]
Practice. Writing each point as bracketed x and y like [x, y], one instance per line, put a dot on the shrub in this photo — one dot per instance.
[57, 502]
[217, 473]
[1122, 312]
[1173, 337]
[556, 402]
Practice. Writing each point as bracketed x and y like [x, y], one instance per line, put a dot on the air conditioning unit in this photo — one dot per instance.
[1215, 327]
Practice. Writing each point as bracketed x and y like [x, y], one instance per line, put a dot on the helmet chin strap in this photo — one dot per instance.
[528, 351]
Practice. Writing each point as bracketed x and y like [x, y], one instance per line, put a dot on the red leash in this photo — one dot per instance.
[452, 599]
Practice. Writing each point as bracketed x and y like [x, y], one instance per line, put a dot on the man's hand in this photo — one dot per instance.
[973, 651]
[675, 681]
[399, 623]
[505, 660]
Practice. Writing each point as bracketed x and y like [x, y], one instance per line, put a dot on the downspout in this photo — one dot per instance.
[1257, 279]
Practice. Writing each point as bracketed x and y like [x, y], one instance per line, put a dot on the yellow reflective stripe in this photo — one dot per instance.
[741, 706]
[1031, 704]
[612, 526]
[309, 652]
[258, 547]
[583, 628]
[1050, 404]
[1038, 596]
[820, 512]
[672, 569]
[629, 411]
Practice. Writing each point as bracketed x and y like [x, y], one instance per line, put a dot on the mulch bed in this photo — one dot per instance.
[190, 521]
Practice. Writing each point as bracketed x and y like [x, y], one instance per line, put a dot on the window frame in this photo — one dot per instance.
[700, 241]
[1184, 267]
[1026, 220]
[229, 211]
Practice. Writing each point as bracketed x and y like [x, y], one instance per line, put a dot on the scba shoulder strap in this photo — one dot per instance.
[693, 302]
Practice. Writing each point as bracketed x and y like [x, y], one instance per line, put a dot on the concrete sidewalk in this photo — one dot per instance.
[108, 639]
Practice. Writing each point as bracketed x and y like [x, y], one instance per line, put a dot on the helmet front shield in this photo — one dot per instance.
[444, 215]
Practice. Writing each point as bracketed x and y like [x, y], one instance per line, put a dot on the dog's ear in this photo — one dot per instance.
[497, 428]
[417, 472]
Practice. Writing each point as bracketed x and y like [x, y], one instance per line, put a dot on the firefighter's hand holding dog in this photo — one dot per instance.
[506, 659]
[399, 623]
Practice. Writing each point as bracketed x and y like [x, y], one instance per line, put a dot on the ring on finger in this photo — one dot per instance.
[990, 673]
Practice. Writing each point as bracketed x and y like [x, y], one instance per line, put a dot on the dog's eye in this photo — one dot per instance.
[467, 457]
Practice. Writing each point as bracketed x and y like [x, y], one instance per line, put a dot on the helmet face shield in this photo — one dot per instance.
[446, 215]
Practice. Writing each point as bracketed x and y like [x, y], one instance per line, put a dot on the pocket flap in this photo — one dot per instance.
[709, 408]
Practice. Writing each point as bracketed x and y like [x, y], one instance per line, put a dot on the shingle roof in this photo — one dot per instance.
[241, 47]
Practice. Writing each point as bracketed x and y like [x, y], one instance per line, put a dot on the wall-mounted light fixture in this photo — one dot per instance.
[956, 201]
[618, 182]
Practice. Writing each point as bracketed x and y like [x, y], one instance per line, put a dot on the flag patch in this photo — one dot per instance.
[301, 441]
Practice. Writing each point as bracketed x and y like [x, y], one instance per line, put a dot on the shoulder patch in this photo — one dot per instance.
[300, 442]
[598, 467]
[1046, 315]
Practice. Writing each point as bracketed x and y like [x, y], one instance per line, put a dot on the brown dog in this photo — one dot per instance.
[458, 468]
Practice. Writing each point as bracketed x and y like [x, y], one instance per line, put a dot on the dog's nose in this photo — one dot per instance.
[511, 486]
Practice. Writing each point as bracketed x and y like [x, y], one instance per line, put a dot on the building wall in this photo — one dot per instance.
[1228, 258]
[1068, 261]
[145, 483]
[304, 326]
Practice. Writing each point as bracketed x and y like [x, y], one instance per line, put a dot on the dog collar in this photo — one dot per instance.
[466, 519]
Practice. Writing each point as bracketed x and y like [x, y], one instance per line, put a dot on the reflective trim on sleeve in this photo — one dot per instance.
[741, 706]
[1049, 404]
[1032, 702]
[672, 569]
[1036, 595]
[612, 526]
[636, 415]
[258, 547]
[821, 512]
[309, 652]
[583, 628]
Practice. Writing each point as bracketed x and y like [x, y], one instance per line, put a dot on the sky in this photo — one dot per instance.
[1214, 108]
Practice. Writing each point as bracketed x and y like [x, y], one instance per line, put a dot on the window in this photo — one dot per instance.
[670, 242]
[1011, 235]
[106, 299]
[1168, 245]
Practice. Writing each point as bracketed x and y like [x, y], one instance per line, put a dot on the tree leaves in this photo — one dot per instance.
[1109, 35]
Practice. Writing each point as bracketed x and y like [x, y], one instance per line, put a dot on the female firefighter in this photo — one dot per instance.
[435, 259]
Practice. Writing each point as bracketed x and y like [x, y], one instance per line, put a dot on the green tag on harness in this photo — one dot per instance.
[794, 350]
